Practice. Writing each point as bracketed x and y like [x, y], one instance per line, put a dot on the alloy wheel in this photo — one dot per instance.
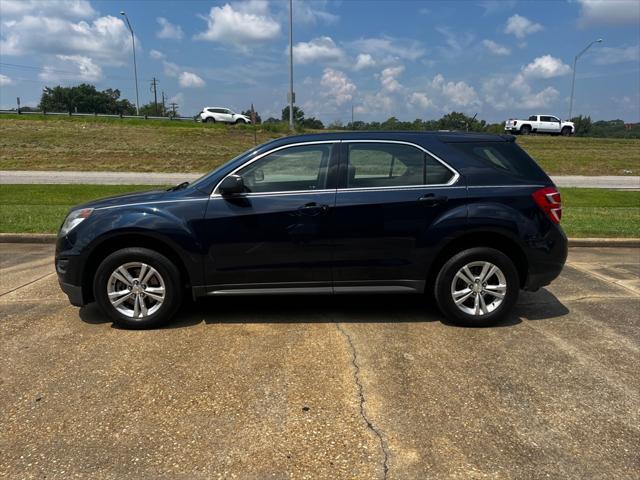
[136, 290]
[479, 288]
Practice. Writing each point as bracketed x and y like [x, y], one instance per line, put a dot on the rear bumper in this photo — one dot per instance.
[547, 259]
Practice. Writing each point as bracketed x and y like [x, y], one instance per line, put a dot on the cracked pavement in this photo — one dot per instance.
[323, 387]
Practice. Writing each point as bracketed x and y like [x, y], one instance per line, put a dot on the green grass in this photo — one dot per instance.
[592, 212]
[42, 208]
[112, 144]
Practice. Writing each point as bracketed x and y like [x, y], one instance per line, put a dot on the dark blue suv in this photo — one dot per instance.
[468, 219]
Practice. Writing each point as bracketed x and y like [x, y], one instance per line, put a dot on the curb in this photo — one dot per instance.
[573, 242]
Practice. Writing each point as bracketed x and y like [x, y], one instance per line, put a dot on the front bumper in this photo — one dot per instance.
[73, 292]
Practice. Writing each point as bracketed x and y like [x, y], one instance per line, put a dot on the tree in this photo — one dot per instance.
[583, 125]
[312, 123]
[84, 98]
[150, 110]
[248, 114]
[298, 114]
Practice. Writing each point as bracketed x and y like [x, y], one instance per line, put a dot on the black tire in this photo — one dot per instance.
[525, 129]
[209, 120]
[566, 131]
[445, 278]
[240, 122]
[166, 269]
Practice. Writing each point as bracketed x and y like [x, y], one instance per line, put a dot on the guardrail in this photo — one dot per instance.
[103, 115]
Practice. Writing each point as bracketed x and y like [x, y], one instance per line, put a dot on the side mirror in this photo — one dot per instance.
[232, 185]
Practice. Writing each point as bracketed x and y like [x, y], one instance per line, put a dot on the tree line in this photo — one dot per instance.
[85, 98]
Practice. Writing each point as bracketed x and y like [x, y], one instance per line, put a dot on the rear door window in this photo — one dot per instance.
[392, 165]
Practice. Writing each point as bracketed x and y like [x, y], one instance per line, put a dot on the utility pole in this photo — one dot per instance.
[352, 115]
[173, 106]
[154, 86]
[291, 94]
[573, 79]
[164, 109]
[135, 68]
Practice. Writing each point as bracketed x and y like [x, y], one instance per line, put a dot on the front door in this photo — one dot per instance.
[390, 194]
[275, 236]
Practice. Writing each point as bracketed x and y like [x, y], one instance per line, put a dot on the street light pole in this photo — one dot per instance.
[291, 126]
[573, 80]
[135, 68]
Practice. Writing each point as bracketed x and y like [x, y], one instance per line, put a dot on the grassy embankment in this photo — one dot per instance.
[98, 144]
[41, 208]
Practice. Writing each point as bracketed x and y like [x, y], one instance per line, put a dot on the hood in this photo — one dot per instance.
[139, 197]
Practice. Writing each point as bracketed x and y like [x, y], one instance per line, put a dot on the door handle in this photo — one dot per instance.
[314, 208]
[432, 199]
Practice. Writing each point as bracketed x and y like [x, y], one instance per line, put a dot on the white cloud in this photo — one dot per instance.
[389, 80]
[496, 48]
[169, 30]
[504, 92]
[71, 67]
[321, 49]
[497, 6]
[4, 80]
[156, 55]
[313, 12]
[546, 67]
[457, 42]
[106, 39]
[521, 26]
[49, 8]
[338, 86]
[190, 80]
[364, 60]
[240, 24]
[170, 69]
[389, 46]
[611, 55]
[460, 93]
[609, 12]
[420, 100]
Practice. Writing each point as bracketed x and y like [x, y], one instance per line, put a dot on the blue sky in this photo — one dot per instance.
[409, 59]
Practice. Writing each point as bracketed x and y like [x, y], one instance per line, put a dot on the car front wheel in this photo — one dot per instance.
[477, 287]
[138, 288]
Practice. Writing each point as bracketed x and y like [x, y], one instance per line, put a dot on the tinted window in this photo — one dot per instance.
[506, 157]
[389, 165]
[290, 169]
[533, 118]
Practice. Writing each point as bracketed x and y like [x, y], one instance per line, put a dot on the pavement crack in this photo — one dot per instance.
[370, 425]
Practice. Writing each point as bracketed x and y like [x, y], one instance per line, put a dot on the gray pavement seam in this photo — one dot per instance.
[26, 284]
[363, 413]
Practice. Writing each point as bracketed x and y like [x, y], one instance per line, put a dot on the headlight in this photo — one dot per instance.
[74, 219]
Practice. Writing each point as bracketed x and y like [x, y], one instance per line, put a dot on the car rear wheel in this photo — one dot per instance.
[525, 129]
[477, 287]
[138, 288]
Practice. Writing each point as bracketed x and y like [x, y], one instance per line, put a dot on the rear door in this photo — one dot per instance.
[389, 195]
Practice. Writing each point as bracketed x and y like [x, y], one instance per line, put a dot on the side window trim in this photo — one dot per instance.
[344, 158]
[215, 193]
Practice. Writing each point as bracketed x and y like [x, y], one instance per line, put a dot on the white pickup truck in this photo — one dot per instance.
[540, 124]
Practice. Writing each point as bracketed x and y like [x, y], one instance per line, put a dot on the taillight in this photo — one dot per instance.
[515, 122]
[548, 199]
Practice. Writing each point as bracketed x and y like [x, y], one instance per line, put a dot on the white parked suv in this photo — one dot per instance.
[540, 124]
[222, 115]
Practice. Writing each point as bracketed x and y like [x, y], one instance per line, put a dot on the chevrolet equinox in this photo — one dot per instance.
[468, 219]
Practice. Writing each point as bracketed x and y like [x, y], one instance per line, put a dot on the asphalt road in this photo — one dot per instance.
[135, 178]
[358, 387]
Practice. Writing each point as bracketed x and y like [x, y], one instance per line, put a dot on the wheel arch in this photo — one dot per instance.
[127, 240]
[480, 238]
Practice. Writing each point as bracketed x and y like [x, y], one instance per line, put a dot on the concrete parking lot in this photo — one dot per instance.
[347, 387]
